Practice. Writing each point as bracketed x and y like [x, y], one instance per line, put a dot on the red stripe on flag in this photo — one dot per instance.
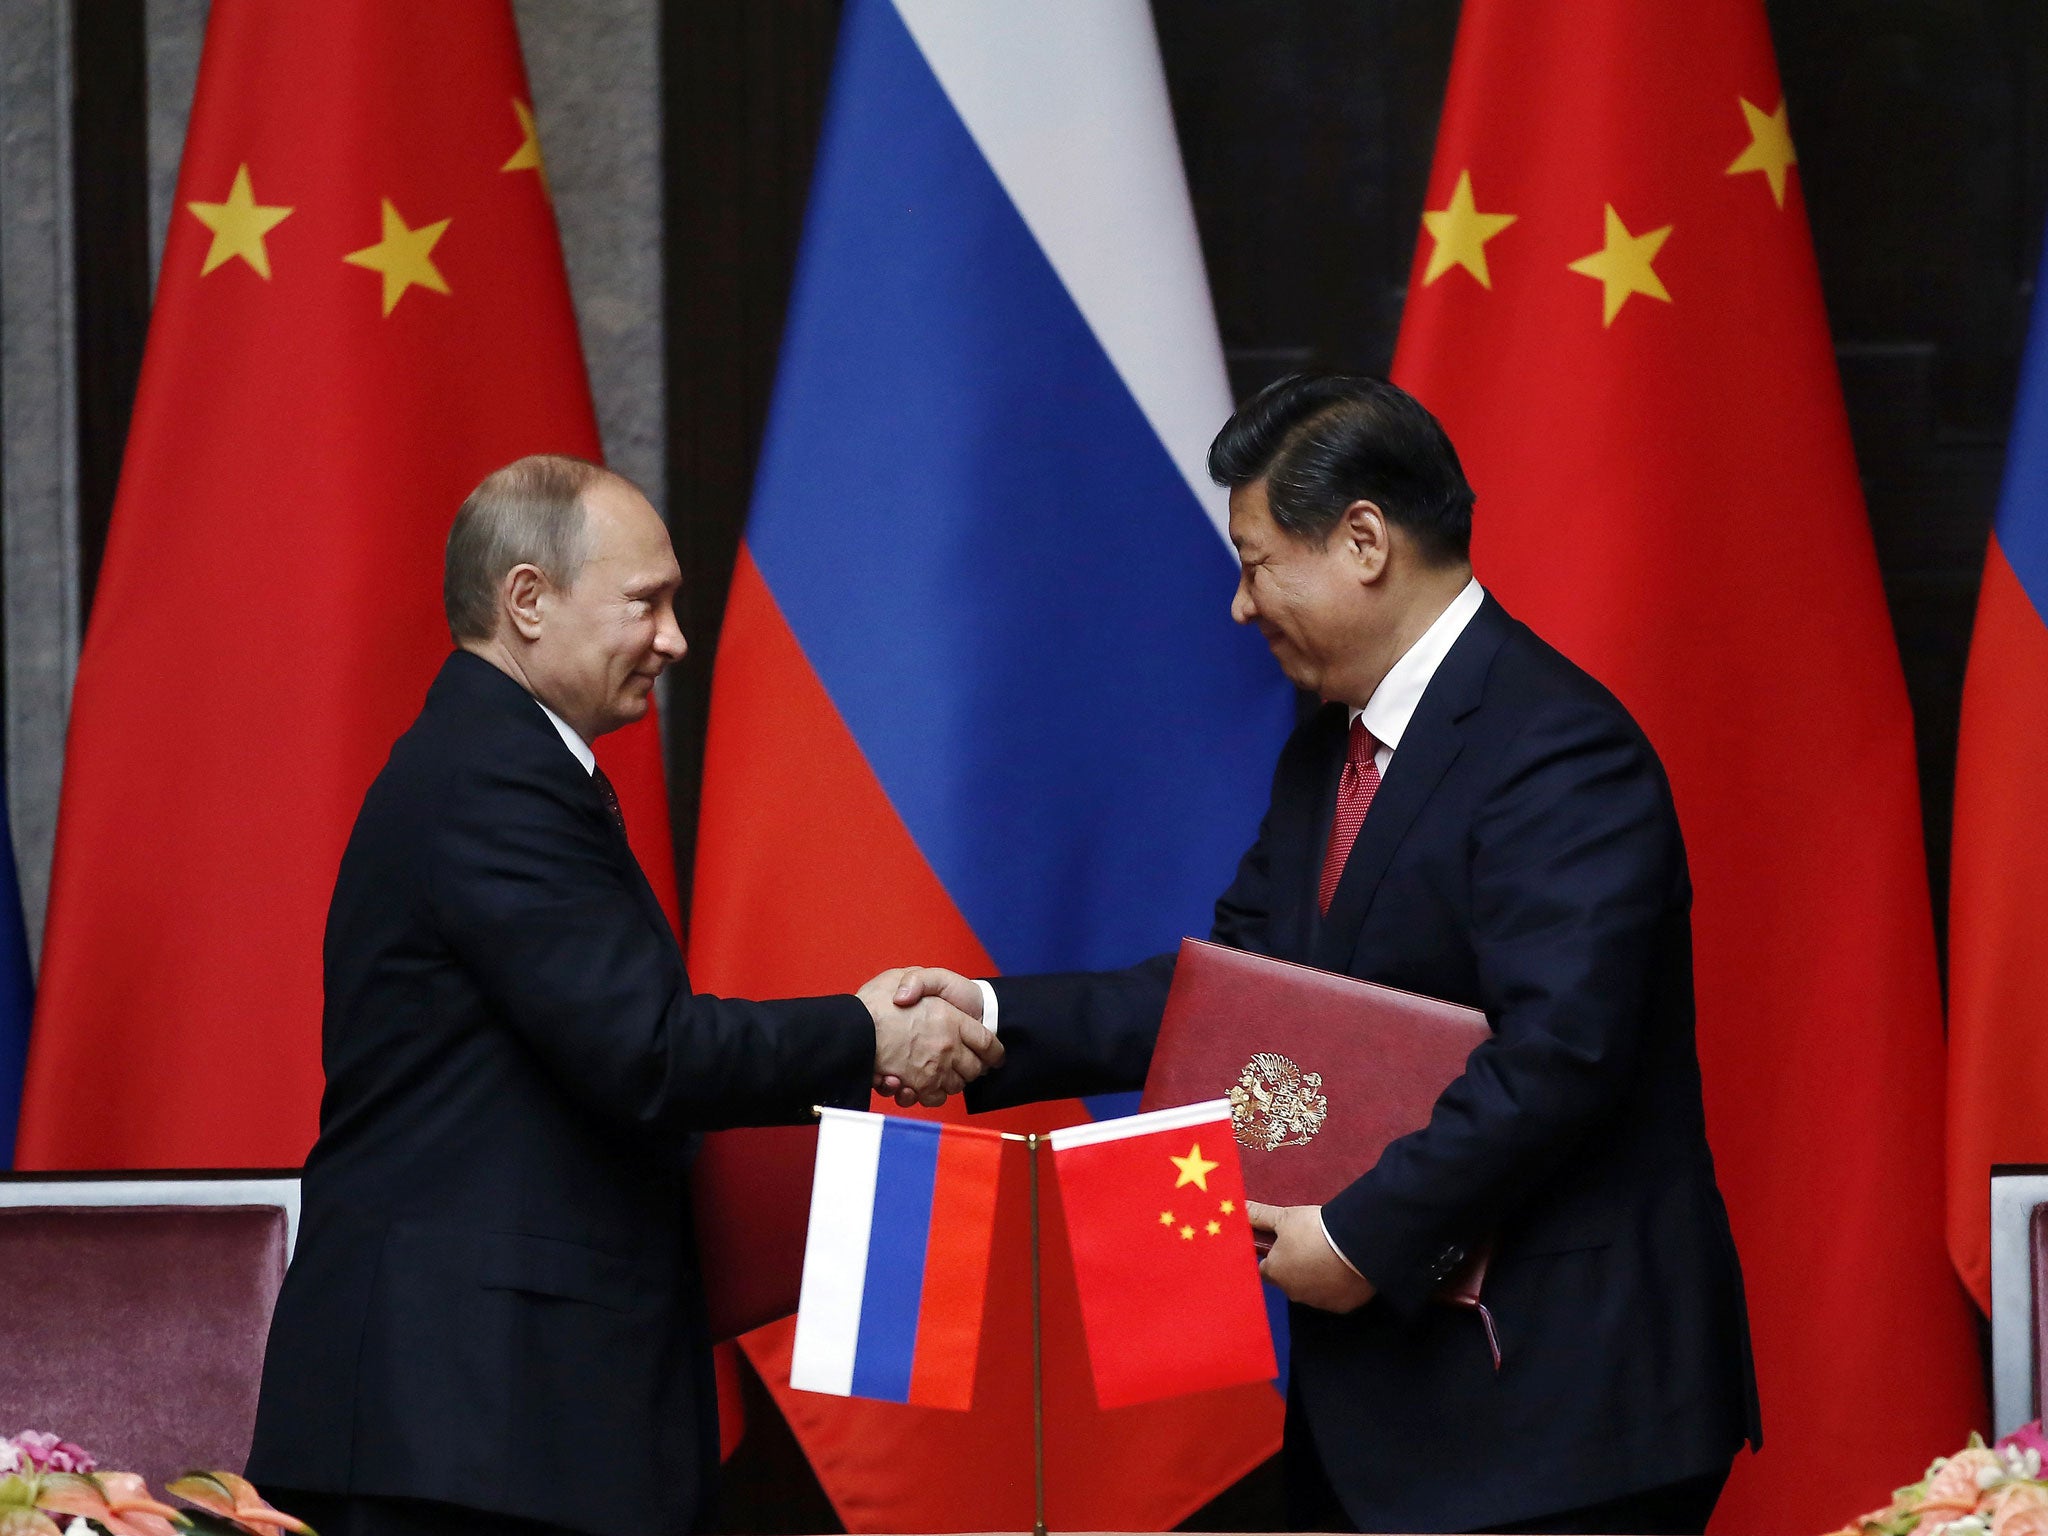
[956, 1270]
[1998, 962]
[797, 840]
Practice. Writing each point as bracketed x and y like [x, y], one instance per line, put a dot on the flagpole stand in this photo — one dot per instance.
[1037, 1354]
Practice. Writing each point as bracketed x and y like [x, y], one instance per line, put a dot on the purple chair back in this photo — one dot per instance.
[137, 1329]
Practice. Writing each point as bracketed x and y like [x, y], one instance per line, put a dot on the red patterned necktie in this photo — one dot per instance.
[1354, 794]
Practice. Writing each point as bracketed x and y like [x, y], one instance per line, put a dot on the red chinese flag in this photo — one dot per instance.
[1615, 311]
[362, 312]
[1163, 1258]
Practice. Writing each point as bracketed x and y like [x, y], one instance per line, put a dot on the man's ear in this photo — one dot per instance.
[521, 595]
[1365, 539]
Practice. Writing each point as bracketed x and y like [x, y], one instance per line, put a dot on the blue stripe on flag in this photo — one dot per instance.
[904, 1180]
[1010, 593]
[2023, 502]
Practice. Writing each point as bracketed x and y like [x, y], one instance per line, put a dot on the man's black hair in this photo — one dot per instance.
[1321, 441]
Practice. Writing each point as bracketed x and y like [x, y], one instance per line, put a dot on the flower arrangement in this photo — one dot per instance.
[1980, 1491]
[45, 1480]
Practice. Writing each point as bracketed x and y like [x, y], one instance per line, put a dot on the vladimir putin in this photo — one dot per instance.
[493, 1320]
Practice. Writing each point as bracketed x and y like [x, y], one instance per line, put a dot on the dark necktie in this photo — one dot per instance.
[610, 797]
[1354, 795]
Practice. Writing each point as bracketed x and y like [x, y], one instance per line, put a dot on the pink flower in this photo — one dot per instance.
[47, 1453]
[2028, 1437]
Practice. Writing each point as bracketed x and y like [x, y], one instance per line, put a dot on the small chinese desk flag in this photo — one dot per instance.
[1163, 1258]
[896, 1264]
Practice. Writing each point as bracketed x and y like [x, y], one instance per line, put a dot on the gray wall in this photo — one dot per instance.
[594, 66]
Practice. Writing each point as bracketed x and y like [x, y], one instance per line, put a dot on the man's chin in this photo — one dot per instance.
[1297, 671]
[628, 709]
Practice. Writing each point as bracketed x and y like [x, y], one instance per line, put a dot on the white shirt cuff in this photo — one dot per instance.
[1333, 1245]
[989, 1009]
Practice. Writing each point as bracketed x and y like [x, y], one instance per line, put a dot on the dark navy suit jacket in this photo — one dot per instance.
[1522, 855]
[495, 1298]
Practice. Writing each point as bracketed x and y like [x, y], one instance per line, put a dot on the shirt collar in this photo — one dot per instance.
[1392, 704]
[571, 740]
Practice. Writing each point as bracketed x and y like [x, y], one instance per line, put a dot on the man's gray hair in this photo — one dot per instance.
[528, 513]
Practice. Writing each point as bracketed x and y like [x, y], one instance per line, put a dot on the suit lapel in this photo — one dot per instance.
[650, 904]
[1428, 748]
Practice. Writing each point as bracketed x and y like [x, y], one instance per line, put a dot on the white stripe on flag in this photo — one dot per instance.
[1067, 102]
[1141, 1125]
[836, 1252]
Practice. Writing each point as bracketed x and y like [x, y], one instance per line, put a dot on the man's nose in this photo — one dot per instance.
[1241, 607]
[668, 637]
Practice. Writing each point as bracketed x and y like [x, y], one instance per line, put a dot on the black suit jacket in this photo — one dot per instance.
[1522, 855]
[494, 1300]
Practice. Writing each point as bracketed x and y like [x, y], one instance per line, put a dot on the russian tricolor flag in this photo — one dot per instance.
[978, 700]
[896, 1266]
[1998, 891]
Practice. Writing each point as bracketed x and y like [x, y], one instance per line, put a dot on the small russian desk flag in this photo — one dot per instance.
[896, 1263]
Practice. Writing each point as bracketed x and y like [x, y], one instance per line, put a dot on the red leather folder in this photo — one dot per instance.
[1322, 1071]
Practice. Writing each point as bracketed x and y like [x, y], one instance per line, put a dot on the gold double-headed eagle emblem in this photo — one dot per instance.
[1275, 1104]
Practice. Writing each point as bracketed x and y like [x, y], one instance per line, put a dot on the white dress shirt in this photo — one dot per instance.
[1392, 704]
[577, 744]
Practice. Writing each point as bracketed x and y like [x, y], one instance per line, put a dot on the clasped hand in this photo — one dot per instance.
[929, 1039]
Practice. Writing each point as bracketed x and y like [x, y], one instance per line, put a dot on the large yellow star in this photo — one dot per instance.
[1461, 232]
[1194, 1168]
[527, 156]
[1623, 265]
[238, 226]
[404, 256]
[1770, 147]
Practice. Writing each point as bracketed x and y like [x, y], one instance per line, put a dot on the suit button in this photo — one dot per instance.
[1453, 1256]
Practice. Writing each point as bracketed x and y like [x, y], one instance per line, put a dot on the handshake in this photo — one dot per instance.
[930, 1042]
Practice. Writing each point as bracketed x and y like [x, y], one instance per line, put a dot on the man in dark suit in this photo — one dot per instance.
[1469, 816]
[493, 1319]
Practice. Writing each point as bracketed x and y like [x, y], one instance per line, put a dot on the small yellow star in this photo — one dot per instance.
[1215, 1227]
[1770, 147]
[527, 156]
[1461, 232]
[238, 226]
[404, 256]
[1194, 1168]
[1166, 1218]
[1227, 1206]
[1622, 265]
[1188, 1233]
